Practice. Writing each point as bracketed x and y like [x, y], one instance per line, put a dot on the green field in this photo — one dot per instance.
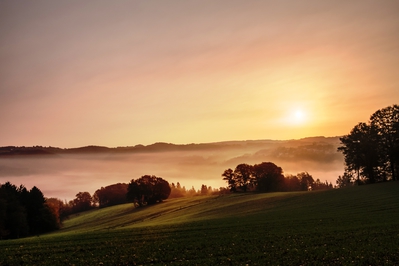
[352, 226]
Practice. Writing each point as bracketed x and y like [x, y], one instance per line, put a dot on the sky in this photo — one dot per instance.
[121, 73]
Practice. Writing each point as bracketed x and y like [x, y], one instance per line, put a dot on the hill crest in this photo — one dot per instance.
[155, 147]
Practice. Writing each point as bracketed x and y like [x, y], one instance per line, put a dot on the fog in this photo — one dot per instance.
[64, 175]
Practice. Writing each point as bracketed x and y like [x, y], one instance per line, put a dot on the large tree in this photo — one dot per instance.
[148, 190]
[292, 183]
[24, 212]
[361, 152]
[243, 174]
[268, 176]
[82, 202]
[371, 150]
[386, 122]
[230, 178]
[306, 180]
[111, 195]
[40, 217]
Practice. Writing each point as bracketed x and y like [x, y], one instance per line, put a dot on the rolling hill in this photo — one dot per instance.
[365, 204]
[356, 225]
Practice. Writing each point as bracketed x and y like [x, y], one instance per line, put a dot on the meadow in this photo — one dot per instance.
[351, 226]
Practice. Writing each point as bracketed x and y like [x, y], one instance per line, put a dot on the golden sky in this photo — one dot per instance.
[120, 73]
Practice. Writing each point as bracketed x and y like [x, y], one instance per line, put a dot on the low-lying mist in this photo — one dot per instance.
[64, 175]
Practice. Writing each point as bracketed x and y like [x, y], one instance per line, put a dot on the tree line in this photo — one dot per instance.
[371, 150]
[146, 190]
[268, 177]
[25, 212]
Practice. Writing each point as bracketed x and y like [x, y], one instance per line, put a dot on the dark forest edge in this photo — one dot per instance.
[26, 212]
[371, 150]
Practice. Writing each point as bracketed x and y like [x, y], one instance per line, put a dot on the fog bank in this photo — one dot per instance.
[64, 175]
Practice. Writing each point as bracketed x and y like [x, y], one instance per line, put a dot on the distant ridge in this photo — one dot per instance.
[156, 147]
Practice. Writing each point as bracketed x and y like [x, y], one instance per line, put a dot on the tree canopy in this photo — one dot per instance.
[268, 177]
[24, 212]
[111, 195]
[371, 150]
[148, 189]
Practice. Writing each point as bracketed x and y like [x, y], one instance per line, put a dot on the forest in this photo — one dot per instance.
[25, 212]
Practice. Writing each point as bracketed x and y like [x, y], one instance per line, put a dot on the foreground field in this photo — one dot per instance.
[354, 226]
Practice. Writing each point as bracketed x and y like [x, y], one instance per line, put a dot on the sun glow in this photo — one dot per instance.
[297, 117]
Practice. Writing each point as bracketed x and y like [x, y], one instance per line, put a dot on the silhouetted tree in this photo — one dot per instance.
[60, 209]
[82, 202]
[191, 191]
[386, 123]
[36, 210]
[306, 180]
[243, 174]
[177, 191]
[111, 195]
[148, 190]
[318, 185]
[13, 223]
[269, 177]
[230, 178]
[371, 150]
[3, 217]
[362, 152]
[204, 190]
[16, 221]
[24, 212]
[345, 180]
[292, 183]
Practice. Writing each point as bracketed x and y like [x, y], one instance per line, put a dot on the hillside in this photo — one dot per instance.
[356, 226]
[366, 205]
[173, 211]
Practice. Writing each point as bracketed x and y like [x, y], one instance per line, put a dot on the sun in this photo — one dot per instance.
[298, 116]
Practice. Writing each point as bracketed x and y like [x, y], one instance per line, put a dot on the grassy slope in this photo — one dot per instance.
[173, 211]
[358, 225]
